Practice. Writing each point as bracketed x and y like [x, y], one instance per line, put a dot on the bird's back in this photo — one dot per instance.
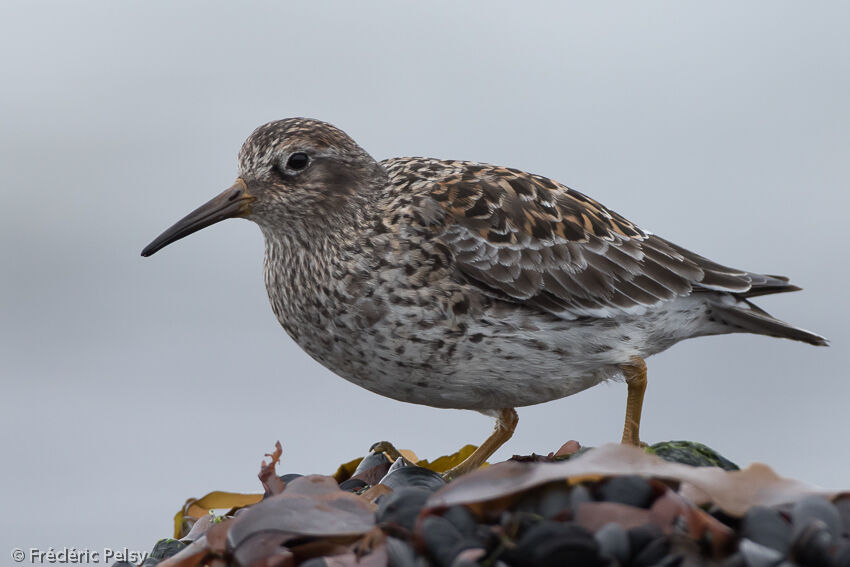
[528, 240]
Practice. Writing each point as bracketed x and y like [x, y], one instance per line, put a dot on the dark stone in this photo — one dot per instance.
[767, 526]
[843, 507]
[578, 496]
[842, 556]
[412, 476]
[641, 536]
[555, 544]
[469, 557]
[815, 507]
[399, 553]
[812, 544]
[462, 519]
[370, 461]
[614, 542]
[289, 477]
[757, 555]
[162, 550]
[690, 453]
[735, 560]
[401, 507]
[652, 553]
[630, 490]
[353, 484]
[443, 541]
[556, 501]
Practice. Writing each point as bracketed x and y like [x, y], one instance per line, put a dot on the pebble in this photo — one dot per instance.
[757, 555]
[555, 544]
[578, 496]
[409, 475]
[652, 553]
[614, 542]
[371, 461]
[443, 541]
[401, 507]
[470, 557]
[630, 490]
[353, 484]
[462, 519]
[768, 527]
[843, 507]
[641, 536]
[399, 553]
[816, 507]
[162, 550]
[842, 556]
[735, 560]
[556, 501]
[812, 544]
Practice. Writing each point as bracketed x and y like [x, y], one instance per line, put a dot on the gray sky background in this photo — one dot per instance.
[130, 384]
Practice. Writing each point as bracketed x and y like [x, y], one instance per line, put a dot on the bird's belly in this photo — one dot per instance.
[495, 360]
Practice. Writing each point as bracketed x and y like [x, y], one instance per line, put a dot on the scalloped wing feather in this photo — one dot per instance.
[529, 239]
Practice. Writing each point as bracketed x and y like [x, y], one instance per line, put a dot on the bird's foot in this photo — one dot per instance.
[506, 421]
[386, 448]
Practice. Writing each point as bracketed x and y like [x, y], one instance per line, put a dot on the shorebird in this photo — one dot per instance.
[464, 285]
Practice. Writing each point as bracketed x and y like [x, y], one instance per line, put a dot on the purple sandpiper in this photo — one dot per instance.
[464, 285]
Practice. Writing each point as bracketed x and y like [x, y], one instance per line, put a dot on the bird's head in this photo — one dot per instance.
[297, 171]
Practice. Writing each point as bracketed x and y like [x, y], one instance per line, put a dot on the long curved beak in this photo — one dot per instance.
[232, 202]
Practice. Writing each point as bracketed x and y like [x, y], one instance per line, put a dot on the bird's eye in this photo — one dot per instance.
[298, 161]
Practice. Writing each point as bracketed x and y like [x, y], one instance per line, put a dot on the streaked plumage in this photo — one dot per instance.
[466, 285]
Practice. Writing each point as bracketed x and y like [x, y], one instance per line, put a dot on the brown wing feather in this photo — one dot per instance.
[532, 240]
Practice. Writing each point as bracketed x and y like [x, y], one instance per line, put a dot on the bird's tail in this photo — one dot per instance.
[737, 312]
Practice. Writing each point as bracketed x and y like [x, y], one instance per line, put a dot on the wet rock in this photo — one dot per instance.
[843, 507]
[555, 544]
[578, 496]
[462, 519]
[470, 557]
[690, 453]
[399, 553]
[555, 501]
[353, 484]
[401, 507]
[812, 544]
[842, 556]
[405, 475]
[641, 536]
[757, 555]
[816, 507]
[162, 550]
[767, 526]
[371, 461]
[614, 542]
[372, 468]
[735, 560]
[652, 553]
[443, 541]
[630, 490]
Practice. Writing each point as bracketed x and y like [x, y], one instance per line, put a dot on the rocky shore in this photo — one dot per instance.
[674, 503]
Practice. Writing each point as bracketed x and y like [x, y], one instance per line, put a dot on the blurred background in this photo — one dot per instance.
[130, 384]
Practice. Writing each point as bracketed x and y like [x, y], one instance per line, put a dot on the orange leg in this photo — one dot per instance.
[635, 374]
[505, 425]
